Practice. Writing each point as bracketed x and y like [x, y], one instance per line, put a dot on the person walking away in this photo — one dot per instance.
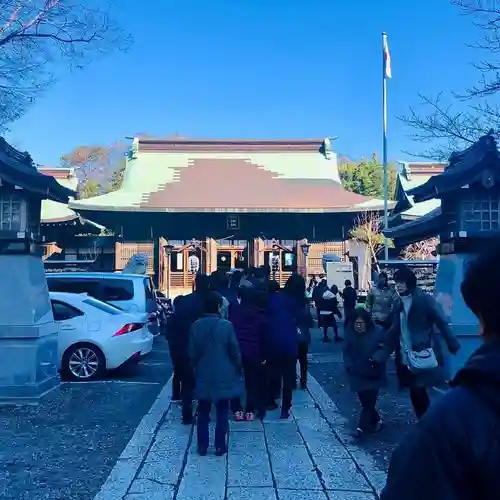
[249, 324]
[282, 340]
[366, 350]
[350, 298]
[187, 311]
[176, 363]
[419, 355]
[380, 300]
[454, 451]
[305, 322]
[216, 360]
[220, 284]
[328, 307]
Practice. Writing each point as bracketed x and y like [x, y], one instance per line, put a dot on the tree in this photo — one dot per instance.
[89, 188]
[421, 250]
[117, 176]
[447, 128]
[99, 169]
[367, 177]
[39, 37]
[367, 230]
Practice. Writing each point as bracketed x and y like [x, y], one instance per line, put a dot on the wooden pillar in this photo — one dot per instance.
[118, 256]
[301, 259]
[258, 252]
[163, 264]
[211, 255]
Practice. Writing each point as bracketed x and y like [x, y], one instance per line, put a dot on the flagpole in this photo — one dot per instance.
[384, 144]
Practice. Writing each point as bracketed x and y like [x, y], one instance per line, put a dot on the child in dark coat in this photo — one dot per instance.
[366, 350]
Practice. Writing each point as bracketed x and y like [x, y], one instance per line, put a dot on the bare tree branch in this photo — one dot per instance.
[39, 38]
[440, 125]
[421, 250]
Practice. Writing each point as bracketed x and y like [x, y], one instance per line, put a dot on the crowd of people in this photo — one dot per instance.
[235, 343]
[241, 338]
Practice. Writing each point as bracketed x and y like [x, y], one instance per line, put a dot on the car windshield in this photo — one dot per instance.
[103, 306]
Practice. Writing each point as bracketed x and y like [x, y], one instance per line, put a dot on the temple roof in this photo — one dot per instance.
[53, 211]
[18, 169]
[480, 163]
[192, 175]
[411, 175]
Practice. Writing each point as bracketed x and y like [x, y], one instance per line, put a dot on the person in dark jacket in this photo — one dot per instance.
[366, 350]
[249, 323]
[296, 289]
[350, 297]
[187, 311]
[453, 453]
[177, 371]
[416, 317]
[282, 338]
[328, 307]
[216, 360]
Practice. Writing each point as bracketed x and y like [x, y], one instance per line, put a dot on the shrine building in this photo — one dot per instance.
[232, 203]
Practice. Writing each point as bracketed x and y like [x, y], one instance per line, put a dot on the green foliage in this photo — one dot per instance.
[89, 188]
[116, 180]
[367, 178]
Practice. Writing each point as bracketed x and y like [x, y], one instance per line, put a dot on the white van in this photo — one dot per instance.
[129, 292]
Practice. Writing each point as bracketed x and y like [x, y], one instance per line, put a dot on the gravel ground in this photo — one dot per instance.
[65, 447]
[327, 368]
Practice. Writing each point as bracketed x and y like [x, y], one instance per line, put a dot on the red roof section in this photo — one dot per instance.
[239, 184]
[56, 172]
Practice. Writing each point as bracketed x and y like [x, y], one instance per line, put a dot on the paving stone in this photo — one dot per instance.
[151, 488]
[282, 436]
[294, 470]
[203, 478]
[251, 494]
[163, 468]
[249, 470]
[301, 495]
[246, 442]
[171, 439]
[341, 474]
[350, 495]
[255, 426]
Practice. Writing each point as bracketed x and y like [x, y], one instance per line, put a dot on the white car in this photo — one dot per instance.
[95, 336]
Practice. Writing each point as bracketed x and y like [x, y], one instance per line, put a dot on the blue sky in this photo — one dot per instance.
[257, 69]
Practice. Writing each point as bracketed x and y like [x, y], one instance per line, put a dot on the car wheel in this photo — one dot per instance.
[83, 362]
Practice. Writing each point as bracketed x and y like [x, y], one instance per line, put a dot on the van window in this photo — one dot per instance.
[149, 289]
[73, 285]
[116, 290]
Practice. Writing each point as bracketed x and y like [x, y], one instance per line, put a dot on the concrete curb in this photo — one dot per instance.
[340, 425]
[126, 468]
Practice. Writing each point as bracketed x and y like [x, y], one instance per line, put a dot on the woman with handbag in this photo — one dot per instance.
[216, 361]
[419, 356]
[366, 349]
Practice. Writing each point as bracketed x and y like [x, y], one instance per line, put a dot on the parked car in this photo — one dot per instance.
[95, 337]
[129, 292]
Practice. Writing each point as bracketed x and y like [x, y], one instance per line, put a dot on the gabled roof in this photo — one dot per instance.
[188, 175]
[18, 169]
[411, 175]
[480, 163]
[52, 211]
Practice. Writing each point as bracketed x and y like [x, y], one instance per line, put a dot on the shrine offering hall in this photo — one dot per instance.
[223, 204]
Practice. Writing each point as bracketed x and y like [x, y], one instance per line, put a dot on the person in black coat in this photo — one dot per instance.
[350, 298]
[453, 453]
[187, 311]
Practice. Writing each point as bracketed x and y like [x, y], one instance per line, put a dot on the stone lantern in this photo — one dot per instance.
[28, 334]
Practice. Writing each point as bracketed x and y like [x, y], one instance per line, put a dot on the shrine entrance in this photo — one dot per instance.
[231, 254]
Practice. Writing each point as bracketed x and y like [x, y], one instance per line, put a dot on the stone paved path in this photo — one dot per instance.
[302, 458]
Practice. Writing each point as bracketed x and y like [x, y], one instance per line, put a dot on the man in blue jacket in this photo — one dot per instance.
[453, 453]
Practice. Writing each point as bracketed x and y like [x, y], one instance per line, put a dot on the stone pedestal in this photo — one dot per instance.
[28, 334]
[464, 324]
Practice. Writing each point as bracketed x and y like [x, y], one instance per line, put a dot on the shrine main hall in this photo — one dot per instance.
[233, 203]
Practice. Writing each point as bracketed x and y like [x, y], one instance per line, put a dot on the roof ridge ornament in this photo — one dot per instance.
[327, 147]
